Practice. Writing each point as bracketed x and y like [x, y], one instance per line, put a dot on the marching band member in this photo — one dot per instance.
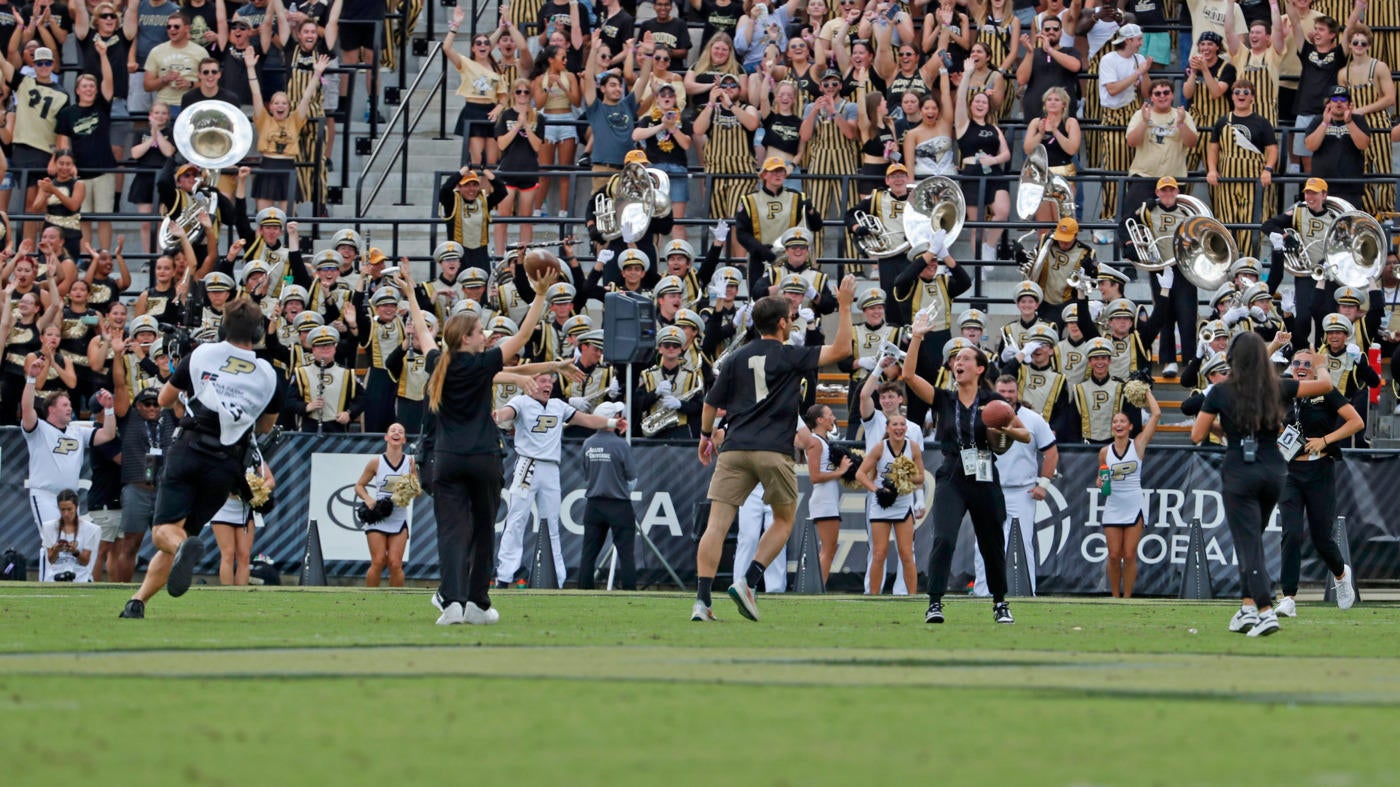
[1028, 299]
[442, 291]
[764, 216]
[1214, 370]
[329, 294]
[869, 339]
[1040, 387]
[635, 267]
[407, 366]
[693, 326]
[886, 206]
[326, 394]
[1074, 364]
[381, 334]
[1130, 356]
[972, 325]
[1174, 297]
[646, 244]
[722, 315]
[662, 387]
[1312, 219]
[474, 285]
[1347, 366]
[796, 259]
[668, 293]
[206, 305]
[1216, 340]
[466, 207]
[680, 262]
[600, 380]
[1067, 255]
[346, 244]
[1364, 309]
[1098, 398]
[929, 284]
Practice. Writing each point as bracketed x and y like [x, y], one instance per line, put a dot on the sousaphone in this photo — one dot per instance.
[210, 135]
[936, 203]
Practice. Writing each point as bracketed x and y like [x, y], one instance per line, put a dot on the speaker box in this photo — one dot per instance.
[629, 328]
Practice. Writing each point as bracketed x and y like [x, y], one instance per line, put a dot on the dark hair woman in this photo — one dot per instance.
[967, 480]
[1249, 410]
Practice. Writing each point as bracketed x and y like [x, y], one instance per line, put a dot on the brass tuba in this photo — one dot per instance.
[210, 135]
[934, 203]
[877, 241]
[1203, 249]
[1354, 250]
[642, 194]
[1149, 247]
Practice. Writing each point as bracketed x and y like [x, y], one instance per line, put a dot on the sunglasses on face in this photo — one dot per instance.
[481, 43]
[1050, 30]
[174, 27]
[1162, 93]
[1302, 364]
[1361, 42]
[523, 92]
[662, 58]
[210, 72]
[1338, 99]
[672, 345]
[1243, 91]
[106, 16]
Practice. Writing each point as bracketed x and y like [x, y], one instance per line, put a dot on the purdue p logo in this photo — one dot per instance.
[234, 365]
[66, 445]
[1100, 399]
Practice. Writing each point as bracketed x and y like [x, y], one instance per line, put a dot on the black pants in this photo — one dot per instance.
[379, 397]
[1309, 491]
[1310, 305]
[1250, 492]
[930, 361]
[601, 515]
[466, 497]
[1177, 310]
[958, 495]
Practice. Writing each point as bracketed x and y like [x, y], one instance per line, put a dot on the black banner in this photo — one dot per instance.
[316, 476]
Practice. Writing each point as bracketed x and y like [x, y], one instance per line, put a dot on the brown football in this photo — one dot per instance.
[537, 261]
[997, 414]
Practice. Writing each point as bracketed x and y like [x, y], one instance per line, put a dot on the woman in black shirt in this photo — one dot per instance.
[519, 135]
[984, 153]
[967, 480]
[467, 472]
[1320, 424]
[1250, 409]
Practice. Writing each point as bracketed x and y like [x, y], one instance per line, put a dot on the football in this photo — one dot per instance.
[997, 414]
[537, 261]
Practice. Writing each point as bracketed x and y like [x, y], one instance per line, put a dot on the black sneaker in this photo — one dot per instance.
[182, 569]
[1001, 613]
[135, 609]
[934, 613]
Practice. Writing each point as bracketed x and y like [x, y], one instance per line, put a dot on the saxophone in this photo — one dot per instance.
[663, 417]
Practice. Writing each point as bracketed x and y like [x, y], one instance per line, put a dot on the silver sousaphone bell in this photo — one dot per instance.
[210, 135]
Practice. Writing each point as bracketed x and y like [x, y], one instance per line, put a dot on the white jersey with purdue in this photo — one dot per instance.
[539, 426]
[383, 475]
[1124, 503]
[228, 387]
[56, 457]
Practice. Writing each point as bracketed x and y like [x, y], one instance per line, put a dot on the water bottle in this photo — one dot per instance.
[1105, 481]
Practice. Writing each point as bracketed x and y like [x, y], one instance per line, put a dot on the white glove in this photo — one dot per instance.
[797, 337]
[614, 389]
[1206, 392]
[938, 243]
[811, 293]
[741, 316]
[663, 387]
[1095, 309]
[1202, 350]
[1234, 315]
[1009, 351]
[606, 256]
[867, 363]
[718, 290]
[1033, 346]
[721, 231]
[1276, 240]
[1166, 277]
[671, 402]
[1353, 352]
[1286, 299]
[581, 404]
[806, 314]
[1258, 314]
[941, 270]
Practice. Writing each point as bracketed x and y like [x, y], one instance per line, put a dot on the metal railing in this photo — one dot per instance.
[407, 126]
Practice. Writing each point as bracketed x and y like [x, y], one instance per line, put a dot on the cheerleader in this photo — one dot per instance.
[824, 505]
[233, 527]
[1120, 487]
[887, 508]
[387, 536]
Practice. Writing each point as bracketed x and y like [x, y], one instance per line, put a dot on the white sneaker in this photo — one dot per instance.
[744, 598]
[1171, 371]
[437, 600]
[1245, 619]
[451, 615]
[1286, 608]
[1268, 624]
[699, 613]
[477, 616]
[1346, 594]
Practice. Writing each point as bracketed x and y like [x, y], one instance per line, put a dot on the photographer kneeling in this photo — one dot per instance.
[70, 542]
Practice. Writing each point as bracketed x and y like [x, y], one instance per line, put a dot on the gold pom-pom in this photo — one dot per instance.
[404, 488]
[260, 491]
[1135, 391]
[902, 473]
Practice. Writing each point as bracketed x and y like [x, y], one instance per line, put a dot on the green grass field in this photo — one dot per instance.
[344, 686]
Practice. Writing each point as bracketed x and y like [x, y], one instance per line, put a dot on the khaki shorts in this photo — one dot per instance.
[737, 472]
[101, 194]
[110, 520]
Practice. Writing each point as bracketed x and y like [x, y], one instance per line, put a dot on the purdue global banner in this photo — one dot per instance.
[316, 476]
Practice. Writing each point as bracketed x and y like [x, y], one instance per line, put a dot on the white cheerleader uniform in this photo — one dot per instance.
[825, 502]
[1124, 505]
[397, 520]
[904, 504]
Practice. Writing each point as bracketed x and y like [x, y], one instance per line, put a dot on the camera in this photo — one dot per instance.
[64, 576]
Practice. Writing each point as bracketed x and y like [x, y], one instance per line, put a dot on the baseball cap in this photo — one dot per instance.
[1067, 230]
[185, 168]
[728, 78]
[1127, 31]
[1338, 91]
[773, 163]
[470, 177]
[43, 53]
[1315, 184]
[896, 167]
[635, 157]
[148, 395]
[377, 256]
[1168, 182]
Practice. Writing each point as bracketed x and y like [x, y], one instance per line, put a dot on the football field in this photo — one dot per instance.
[345, 686]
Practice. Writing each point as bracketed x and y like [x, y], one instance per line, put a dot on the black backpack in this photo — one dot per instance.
[13, 566]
